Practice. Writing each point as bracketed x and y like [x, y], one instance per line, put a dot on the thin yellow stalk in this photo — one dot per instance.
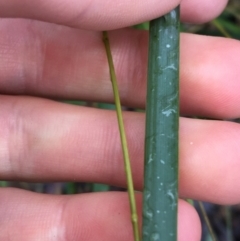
[134, 216]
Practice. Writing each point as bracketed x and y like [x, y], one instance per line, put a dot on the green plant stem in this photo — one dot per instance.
[206, 219]
[133, 207]
[221, 29]
[161, 138]
[228, 211]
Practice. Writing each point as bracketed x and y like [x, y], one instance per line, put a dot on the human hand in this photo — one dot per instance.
[43, 140]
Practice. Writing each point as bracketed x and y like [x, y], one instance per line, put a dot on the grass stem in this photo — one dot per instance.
[133, 207]
[161, 139]
[206, 219]
[221, 29]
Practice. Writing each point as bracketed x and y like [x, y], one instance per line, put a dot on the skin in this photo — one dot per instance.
[44, 140]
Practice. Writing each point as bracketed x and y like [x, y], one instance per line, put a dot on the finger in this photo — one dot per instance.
[42, 140]
[210, 160]
[210, 77]
[106, 14]
[201, 11]
[88, 14]
[47, 217]
[40, 59]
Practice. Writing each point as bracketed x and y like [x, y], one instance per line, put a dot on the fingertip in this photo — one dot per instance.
[189, 227]
[195, 11]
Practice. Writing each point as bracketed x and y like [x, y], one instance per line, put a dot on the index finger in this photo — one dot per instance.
[106, 14]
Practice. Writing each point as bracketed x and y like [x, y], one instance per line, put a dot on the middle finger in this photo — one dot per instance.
[60, 62]
[43, 140]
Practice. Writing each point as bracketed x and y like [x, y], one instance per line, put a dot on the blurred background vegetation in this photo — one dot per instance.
[226, 25]
[225, 220]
